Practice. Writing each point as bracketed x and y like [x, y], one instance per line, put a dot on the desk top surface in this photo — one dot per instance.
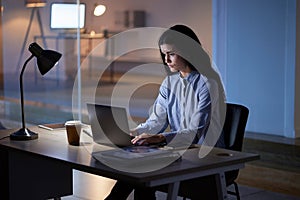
[54, 145]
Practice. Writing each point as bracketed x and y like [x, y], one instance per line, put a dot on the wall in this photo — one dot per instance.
[297, 75]
[1, 57]
[256, 54]
[195, 13]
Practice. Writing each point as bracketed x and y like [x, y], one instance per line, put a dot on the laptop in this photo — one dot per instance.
[109, 125]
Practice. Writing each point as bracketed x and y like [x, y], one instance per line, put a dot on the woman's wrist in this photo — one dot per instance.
[162, 138]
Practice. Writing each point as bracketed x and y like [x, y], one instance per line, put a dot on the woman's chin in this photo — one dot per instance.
[173, 70]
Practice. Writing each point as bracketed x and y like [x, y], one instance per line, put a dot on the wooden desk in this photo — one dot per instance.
[42, 168]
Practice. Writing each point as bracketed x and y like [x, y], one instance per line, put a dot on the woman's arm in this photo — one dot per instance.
[158, 120]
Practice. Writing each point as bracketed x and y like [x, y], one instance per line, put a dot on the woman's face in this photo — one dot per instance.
[173, 60]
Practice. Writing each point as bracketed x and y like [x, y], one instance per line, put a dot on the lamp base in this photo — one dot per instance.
[23, 134]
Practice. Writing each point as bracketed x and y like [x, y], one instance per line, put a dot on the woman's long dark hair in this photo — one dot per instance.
[190, 49]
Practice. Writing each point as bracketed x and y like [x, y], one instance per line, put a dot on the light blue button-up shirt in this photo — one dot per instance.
[186, 106]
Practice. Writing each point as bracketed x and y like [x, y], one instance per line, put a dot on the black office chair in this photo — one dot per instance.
[234, 129]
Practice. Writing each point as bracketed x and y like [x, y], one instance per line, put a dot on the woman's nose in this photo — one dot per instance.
[167, 59]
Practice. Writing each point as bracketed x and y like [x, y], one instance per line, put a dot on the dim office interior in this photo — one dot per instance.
[254, 44]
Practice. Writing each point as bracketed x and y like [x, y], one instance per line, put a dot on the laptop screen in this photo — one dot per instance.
[109, 125]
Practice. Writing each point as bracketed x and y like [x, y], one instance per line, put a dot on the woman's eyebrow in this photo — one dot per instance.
[168, 51]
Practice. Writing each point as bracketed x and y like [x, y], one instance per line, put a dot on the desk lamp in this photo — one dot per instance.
[46, 59]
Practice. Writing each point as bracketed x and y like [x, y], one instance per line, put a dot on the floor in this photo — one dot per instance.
[275, 176]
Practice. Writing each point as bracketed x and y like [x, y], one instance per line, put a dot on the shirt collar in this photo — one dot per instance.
[190, 77]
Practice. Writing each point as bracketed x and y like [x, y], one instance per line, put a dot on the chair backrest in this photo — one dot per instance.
[234, 131]
[234, 126]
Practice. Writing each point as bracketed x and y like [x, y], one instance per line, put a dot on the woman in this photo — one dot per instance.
[191, 102]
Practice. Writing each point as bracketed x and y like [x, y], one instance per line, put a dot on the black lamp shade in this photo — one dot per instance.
[46, 59]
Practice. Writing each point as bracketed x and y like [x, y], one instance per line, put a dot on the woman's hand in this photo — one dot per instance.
[146, 138]
[133, 132]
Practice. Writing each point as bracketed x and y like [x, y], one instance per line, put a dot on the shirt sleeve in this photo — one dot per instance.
[158, 120]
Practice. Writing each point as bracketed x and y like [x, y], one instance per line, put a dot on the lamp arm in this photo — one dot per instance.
[21, 91]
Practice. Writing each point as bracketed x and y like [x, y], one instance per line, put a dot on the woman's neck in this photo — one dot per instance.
[184, 73]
